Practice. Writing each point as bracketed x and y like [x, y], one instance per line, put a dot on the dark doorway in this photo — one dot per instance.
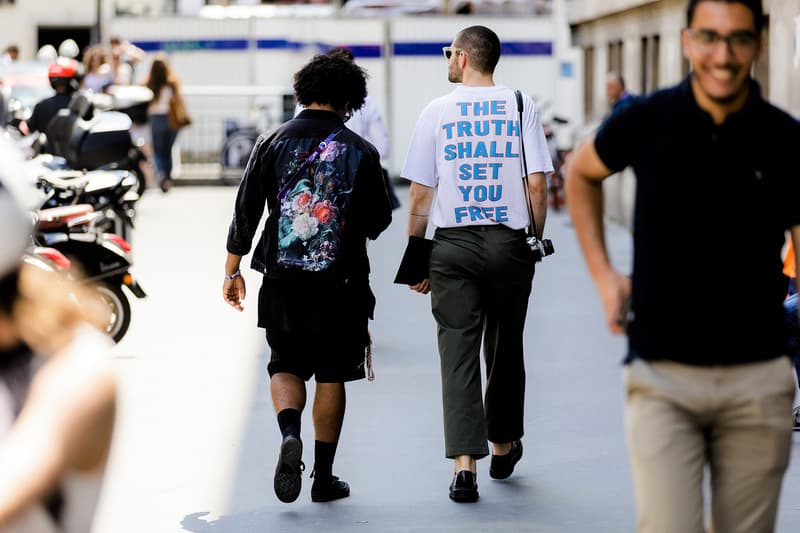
[53, 35]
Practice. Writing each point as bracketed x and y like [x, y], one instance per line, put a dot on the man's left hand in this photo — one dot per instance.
[234, 291]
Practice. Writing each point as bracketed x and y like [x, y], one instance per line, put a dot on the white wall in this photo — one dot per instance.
[20, 20]
[784, 61]
[400, 83]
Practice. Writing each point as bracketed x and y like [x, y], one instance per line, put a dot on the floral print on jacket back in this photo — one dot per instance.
[312, 214]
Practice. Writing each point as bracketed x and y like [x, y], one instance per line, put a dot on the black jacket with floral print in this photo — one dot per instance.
[320, 225]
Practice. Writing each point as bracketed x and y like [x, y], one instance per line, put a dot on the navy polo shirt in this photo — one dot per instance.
[711, 208]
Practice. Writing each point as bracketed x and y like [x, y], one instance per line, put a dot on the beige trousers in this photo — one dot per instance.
[736, 420]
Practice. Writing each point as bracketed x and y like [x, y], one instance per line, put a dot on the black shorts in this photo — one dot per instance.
[316, 329]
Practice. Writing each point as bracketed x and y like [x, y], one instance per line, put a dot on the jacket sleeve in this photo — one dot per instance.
[379, 207]
[250, 201]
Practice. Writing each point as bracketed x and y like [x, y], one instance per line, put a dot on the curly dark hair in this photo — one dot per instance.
[333, 80]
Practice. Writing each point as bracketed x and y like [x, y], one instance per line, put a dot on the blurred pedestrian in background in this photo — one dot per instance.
[129, 56]
[65, 78]
[10, 54]
[325, 195]
[792, 319]
[368, 123]
[618, 96]
[707, 380]
[57, 394]
[98, 72]
[166, 90]
[121, 70]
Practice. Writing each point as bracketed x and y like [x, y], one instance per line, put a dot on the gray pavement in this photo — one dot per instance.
[198, 438]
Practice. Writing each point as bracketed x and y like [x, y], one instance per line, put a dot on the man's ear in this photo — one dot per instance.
[685, 44]
[462, 57]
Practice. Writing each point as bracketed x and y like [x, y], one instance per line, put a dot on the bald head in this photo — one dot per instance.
[615, 86]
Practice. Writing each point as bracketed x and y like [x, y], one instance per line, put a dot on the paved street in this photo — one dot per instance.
[197, 439]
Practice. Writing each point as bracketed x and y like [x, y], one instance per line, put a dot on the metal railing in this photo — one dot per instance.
[217, 111]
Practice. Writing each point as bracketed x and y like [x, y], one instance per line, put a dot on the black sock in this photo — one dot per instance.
[289, 422]
[323, 459]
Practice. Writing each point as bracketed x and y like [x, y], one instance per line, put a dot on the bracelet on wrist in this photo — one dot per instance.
[231, 277]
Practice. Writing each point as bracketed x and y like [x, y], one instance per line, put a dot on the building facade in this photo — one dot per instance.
[641, 39]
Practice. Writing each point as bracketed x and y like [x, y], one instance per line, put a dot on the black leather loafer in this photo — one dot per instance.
[502, 466]
[464, 488]
[327, 490]
[288, 473]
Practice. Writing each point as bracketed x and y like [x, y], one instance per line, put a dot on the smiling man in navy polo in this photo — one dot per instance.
[707, 378]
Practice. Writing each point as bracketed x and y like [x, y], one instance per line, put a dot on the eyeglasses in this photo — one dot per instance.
[450, 50]
[738, 42]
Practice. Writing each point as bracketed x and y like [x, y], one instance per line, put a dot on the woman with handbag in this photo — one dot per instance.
[167, 115]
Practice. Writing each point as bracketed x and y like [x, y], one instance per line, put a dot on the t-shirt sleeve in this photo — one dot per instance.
[537, 153]
[617, 135]
[379, 207]
[420, 163]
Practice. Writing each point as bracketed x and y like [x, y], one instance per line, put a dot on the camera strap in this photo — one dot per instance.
[294, 178]
[532, 230]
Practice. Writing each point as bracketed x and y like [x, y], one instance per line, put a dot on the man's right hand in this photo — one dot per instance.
[615, 292]
[423, 287]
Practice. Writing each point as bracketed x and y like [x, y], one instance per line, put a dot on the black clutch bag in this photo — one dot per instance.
[414, 267]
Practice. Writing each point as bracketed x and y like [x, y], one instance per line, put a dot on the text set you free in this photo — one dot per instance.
[461, 148]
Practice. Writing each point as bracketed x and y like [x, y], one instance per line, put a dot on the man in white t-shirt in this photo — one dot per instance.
[466, 153]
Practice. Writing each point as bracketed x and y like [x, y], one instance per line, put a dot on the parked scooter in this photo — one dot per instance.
[101, 260]
[110, 192]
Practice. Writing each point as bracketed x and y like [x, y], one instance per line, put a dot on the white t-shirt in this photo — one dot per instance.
[466, 145]
[368, 123]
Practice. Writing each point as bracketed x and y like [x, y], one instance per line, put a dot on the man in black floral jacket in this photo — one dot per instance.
[325, 196]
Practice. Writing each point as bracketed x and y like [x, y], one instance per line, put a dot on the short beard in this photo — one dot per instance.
[453, 76]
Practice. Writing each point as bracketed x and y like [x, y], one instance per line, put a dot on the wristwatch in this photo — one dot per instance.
[230, 277]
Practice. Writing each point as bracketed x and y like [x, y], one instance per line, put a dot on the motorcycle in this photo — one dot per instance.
[108, 191]
[100, 260]
[103, 142]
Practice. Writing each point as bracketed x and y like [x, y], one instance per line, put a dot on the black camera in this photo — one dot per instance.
[540, 249]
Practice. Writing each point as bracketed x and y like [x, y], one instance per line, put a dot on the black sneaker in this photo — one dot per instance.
[327, 490]
[464, 488]
[796, 418]
[288, 473]
[502, 466]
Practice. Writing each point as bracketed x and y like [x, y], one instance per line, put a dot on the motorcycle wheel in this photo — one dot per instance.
[119, 308]
[142, 185]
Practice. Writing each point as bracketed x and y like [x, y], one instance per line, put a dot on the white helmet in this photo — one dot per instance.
[68, 48]
[47, 54]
